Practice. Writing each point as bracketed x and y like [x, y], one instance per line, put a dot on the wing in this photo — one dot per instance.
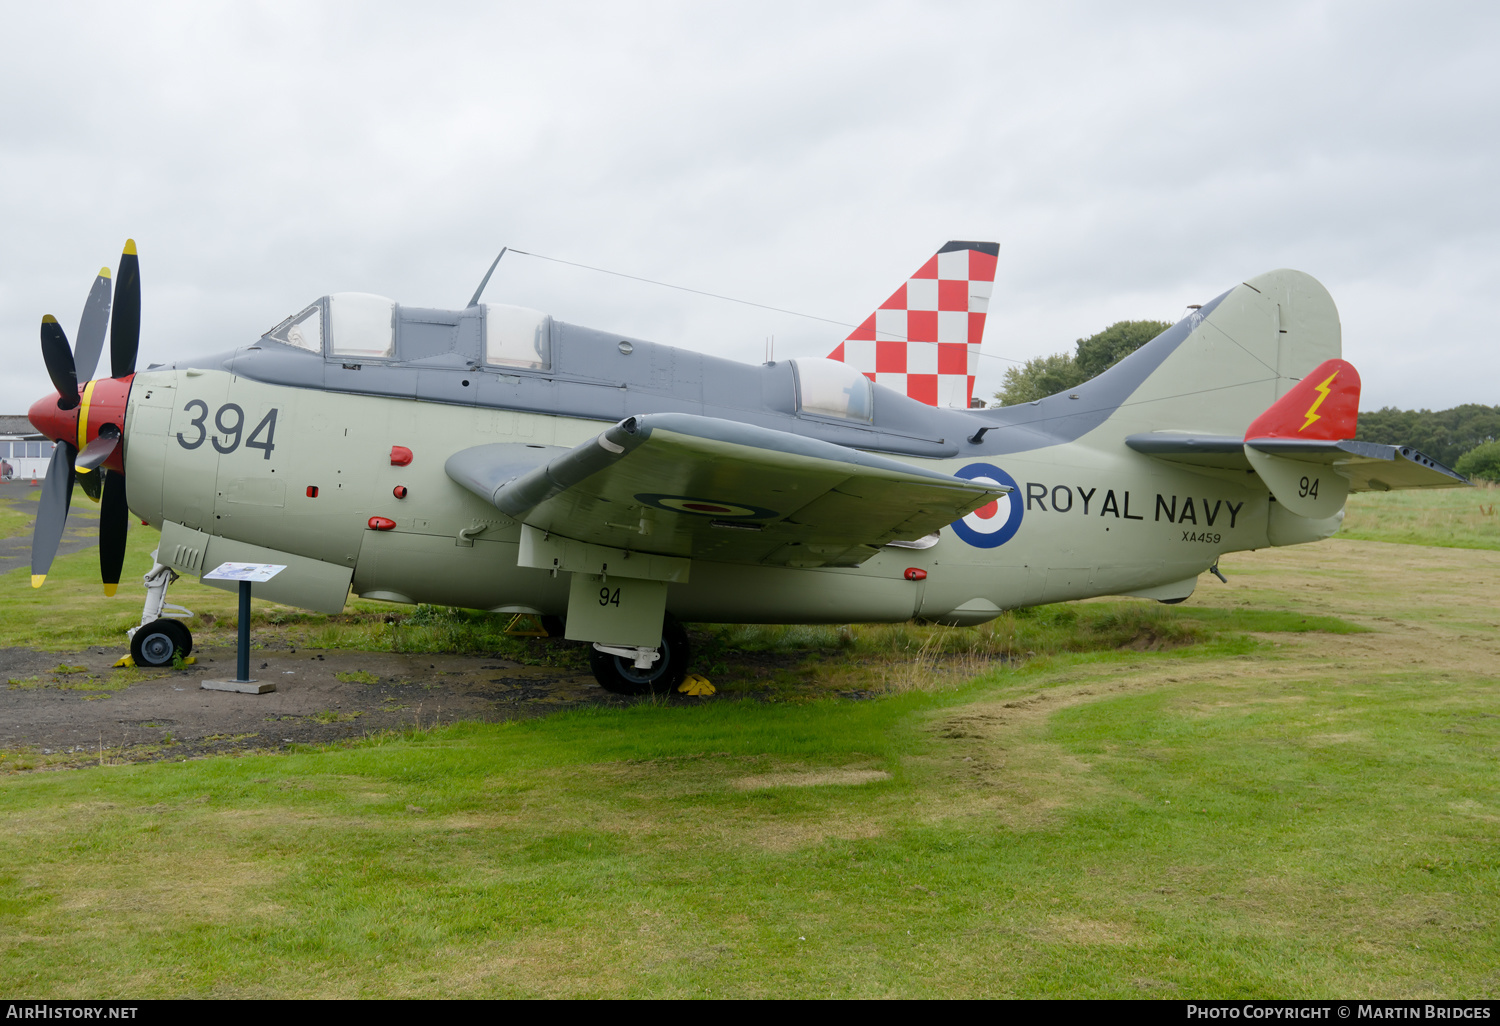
[681, 485]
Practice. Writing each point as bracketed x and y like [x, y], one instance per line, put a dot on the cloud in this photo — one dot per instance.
[1131, 159]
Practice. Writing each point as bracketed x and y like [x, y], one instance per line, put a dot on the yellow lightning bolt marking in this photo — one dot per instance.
[1312, 411]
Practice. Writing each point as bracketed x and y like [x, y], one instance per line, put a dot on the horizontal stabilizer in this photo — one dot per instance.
[1367, 465]
[676, 484]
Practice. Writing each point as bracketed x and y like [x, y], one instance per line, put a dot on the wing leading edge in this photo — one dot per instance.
[682, 485]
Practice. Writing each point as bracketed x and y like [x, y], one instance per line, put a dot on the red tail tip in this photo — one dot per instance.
[1324, 406]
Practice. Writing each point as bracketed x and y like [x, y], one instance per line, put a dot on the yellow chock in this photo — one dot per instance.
[125, 660]
[190, 660]
[517, 628]
[696, 684]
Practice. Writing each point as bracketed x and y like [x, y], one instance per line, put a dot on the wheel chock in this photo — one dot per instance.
[518, 629]
[696, 684]
[125, 660]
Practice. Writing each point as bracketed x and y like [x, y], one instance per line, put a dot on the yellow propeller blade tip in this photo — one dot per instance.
[104, 272]
[109, 590]
[37, 579]
[48, 319]
[130, 247]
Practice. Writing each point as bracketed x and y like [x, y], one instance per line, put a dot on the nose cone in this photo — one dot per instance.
[58, 425]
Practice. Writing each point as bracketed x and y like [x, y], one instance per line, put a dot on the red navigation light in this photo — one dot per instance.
[400, 456]
[381, 523]
[914, 574]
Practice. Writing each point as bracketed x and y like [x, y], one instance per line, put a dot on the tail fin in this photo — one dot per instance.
[924, 340]
[1209, 376]
[1218, 370]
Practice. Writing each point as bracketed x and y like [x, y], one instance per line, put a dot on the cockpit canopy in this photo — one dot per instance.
[831, 388]
[368, 327]
[346, 323]
[517, 336]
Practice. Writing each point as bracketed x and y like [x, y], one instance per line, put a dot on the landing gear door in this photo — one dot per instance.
[616, 610]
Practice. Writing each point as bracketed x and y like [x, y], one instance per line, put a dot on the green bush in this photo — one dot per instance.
[1482, 461]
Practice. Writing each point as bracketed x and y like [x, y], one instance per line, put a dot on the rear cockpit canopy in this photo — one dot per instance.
[832, 388]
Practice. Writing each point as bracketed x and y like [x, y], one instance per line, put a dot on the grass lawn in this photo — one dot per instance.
[1266, 812]
[1466, 518]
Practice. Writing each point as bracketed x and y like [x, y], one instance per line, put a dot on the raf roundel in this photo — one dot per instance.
[705, 507]
[995, 523]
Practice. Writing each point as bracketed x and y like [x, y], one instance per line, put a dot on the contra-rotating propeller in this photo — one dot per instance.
[88, 422]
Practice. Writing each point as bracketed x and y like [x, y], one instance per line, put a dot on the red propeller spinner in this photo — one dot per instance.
[99, 413]
[88, 421]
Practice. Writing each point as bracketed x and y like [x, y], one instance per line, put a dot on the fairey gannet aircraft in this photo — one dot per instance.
[494, 458]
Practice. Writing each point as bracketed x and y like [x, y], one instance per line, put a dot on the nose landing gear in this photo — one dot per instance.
[159, 638]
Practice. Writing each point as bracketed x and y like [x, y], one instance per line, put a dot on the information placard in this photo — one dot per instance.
[256, 573]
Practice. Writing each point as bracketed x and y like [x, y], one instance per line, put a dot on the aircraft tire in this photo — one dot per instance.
[621, 677]
[156, 643]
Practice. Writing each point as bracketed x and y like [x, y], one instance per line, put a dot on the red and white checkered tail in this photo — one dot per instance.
[924, 340]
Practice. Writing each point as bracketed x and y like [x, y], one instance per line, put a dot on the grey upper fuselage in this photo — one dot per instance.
[439, 357]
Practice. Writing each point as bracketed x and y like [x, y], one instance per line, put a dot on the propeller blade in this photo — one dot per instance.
[95, 453]
[58, 357]
[92, 326]
[92, 483]
[125, 322]
[52, 514]
[114, 522]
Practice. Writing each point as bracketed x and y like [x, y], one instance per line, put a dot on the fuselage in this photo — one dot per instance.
[282, 450]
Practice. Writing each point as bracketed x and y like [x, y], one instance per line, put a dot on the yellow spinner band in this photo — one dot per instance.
[83, 414]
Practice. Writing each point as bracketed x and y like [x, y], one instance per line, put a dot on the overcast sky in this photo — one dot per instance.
[1130, 159]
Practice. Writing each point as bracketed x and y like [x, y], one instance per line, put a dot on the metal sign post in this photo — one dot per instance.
[245, 573]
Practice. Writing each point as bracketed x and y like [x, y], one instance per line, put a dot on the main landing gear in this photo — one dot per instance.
[159, 638]
[641, 671]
